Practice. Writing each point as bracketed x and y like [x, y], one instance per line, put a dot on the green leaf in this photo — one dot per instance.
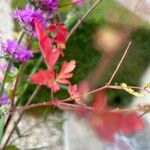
[11, 75]
[131, 91]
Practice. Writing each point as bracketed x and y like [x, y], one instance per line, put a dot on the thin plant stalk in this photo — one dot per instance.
[83, 18]
[27, 84]
[4, 79]
[120, 62]
[20, 116]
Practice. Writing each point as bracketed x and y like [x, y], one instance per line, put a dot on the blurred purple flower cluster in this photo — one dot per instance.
[50, 5]
[43, 12]
[18, 52]
[4, 100]
[27, 15]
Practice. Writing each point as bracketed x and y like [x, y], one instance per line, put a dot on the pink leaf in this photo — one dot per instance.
[65, 72]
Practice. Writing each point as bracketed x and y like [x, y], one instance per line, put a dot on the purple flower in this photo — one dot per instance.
[18, 52]
[4, 100]
[49, 5]
[10, 46]
[23, 55]
[27, 15]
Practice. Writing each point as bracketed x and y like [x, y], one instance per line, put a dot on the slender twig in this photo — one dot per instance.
[29, 41]
[20, 116]
[82, 19]
[142, 108]
[33, 71]
[119, 64]
[98, 89]
[14, 90]
[128, 110]
[12, 104]
[55, 102]
[5, 75]
[21, 36]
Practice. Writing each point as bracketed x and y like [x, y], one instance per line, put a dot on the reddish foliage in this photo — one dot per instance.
[60, 34]
[66, 72]
[50, 53]
[60, 31]
[72, 90]
[45, 77]
[100, 102]
[51, 80]
[105, 122]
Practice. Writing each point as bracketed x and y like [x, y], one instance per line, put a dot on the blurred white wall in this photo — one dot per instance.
[140, 7]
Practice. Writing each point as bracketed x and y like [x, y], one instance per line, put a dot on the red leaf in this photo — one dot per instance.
[59, 38]
[65, 72]
[45, 77]
[100, 102]
[58, 28]
[50, 53]
[52, 57]
[73, 91]
[106, 123]
[52, 27]
[41, 77]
